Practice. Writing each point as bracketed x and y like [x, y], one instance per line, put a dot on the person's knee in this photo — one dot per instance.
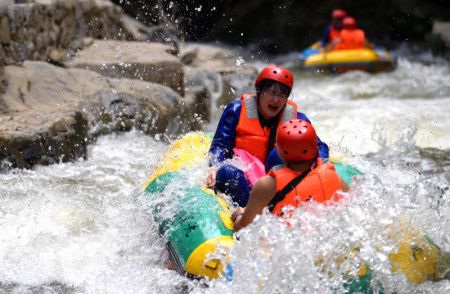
[231, 180]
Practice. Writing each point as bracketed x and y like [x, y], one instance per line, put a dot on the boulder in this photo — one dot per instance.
[203, 88]
[440, 38]
[222, 71]
[34, 29]
[236, 84]
[48, 113]
[28, 138]
[2, 78]
[198, 102]
[214, 58]
[151, 62]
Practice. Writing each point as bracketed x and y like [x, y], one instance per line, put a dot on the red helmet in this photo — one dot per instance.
[276, 73]
[296, 140]
[338, 13]
[349, 23]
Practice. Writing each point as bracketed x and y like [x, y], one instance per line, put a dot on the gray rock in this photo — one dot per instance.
[29, 138]
[5, 30]
[25, 21]
[188, 55]
[202, 87]
[198, 101]
[236, 84]
[223, 72]
[151, 62]
[440, 38]
[48, 113]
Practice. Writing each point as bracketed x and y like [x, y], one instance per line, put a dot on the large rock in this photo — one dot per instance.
[151, 62]
[30, 137]
[440, 38]
[203, 88]
[48, 113]
[2, 76]
[34, 29]
[223, 72]
[214, 58]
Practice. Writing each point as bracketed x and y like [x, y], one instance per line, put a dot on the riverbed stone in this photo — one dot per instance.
[44, 105]
[151, 62]
[440, 38]
[5, 31]
[42, 137]
[234, 74]
[58, 24]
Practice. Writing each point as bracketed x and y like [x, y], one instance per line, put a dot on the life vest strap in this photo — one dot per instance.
[280, 195]
[271, 144]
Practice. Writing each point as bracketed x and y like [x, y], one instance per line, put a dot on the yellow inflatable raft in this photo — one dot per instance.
[339, 61]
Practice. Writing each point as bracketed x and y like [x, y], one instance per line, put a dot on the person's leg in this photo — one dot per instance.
[231, 180]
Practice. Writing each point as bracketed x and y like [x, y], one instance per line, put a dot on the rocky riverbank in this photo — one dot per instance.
[76, 69]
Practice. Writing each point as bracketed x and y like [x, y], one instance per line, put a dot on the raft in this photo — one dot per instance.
[202, 222]
[200, 232]
[339, 61]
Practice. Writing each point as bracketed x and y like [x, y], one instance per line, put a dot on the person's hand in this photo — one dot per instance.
[211, 178]
[238, 212]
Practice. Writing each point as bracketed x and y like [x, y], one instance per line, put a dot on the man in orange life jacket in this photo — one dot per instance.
[333, 30]
[303, 177]
[250, 124]
[350, 37]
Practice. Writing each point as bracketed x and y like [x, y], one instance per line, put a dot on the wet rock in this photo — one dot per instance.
[150, 62]
[236, 84]
[202, 87]
[56, 56]
[2, 79]
[29, 138]
[188, 55]
[213, 58]
[60, 24]
[163, 34]
[49, 114]
[440, 38]
[5, 31]
[198, 101]
[134, 104]
[235, 77]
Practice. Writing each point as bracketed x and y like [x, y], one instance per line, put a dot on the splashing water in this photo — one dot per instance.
[83, 227]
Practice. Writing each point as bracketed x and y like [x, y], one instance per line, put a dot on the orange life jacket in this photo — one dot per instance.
[250, 135]
[334, 34]
[320, 184]
[351, 39]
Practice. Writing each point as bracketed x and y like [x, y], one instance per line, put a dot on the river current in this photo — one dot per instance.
[83, 227]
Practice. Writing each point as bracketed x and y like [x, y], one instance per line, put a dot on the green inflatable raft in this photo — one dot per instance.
[200, 231]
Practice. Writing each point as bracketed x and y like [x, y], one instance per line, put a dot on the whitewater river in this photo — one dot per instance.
[82, 227]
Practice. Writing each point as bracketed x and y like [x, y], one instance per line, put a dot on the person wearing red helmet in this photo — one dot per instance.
[247, 129]
[351, 37]
[333, 30]
[302, 177]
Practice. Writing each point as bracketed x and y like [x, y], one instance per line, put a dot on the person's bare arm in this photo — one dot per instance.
[262, 193]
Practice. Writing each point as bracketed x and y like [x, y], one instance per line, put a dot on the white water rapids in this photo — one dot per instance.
[82, 228]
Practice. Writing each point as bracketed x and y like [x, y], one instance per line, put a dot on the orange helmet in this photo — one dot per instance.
[275, 73]
[338, 13]
[349, 23]
[296, 140]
